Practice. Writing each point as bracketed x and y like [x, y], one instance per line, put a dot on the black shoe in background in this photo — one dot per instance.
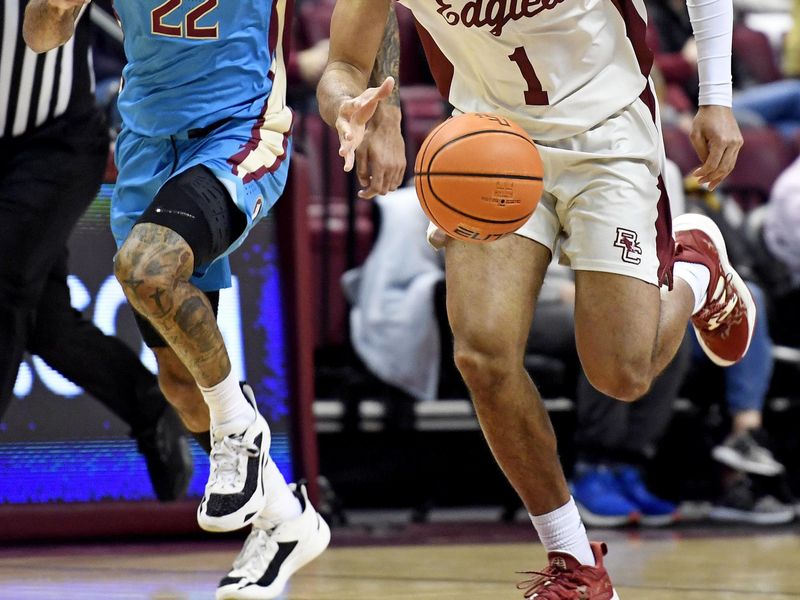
[744, 500]
[166, 452]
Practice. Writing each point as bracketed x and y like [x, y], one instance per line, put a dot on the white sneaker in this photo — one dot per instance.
[269, 558]
[235, 492]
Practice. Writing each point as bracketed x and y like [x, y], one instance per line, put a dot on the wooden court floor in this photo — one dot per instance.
[669, 567]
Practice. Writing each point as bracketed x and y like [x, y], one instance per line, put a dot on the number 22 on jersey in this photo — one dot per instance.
[189, 29]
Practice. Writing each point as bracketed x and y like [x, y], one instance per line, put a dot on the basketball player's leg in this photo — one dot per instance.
[191, 221]
[176, 381]
[627, 330]
[491, 293]
[180, 389]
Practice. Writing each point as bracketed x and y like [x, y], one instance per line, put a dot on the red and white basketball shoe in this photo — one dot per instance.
[724, 325]
[567, 579]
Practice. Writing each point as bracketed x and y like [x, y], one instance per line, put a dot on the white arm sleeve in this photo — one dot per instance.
[712, 23]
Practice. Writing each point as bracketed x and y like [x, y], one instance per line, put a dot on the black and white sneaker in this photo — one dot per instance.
[235, 490]
[748, 452]
[744, 502]
[270, 557]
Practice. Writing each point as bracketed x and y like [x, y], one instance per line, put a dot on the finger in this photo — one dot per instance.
[367, 103]
[396, 180]
[349, 156]
[376, 184]
[711, 163]
[362, 165]
[725, 168]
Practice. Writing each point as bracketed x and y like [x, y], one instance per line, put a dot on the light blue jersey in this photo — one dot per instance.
[205, 85]
[194, 62]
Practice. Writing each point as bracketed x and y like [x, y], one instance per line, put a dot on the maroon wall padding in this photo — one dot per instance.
[77, 521]
[294, 249]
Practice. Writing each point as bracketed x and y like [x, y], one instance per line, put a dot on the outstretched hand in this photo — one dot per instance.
[353, 117]
[717, 140]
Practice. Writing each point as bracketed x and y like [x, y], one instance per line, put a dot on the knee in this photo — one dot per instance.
[148, 275]
[181, 391]
[626, 381]
[485, 366]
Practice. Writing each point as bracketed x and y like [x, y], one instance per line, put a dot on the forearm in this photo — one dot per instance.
[340, 82]
[387, 62]
[357, 31]
[46, 27]
[712, 23]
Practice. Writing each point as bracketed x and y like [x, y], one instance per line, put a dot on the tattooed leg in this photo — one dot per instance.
[154, 266]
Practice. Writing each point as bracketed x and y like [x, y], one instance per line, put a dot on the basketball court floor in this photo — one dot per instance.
[420, 562]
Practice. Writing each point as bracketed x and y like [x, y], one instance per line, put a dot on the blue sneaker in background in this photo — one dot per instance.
[600, 501]
[655, 512]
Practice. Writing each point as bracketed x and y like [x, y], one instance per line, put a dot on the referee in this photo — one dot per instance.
[53, 149]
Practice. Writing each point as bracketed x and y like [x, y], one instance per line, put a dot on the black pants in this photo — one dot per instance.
[608, 430]
[47, 180]
[612, 431]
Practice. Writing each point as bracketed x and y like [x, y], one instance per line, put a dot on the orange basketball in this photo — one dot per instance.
[478, 177]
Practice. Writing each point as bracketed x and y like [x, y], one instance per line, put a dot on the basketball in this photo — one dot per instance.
[478, 177]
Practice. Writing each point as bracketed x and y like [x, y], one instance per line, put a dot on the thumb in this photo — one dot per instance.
[369, 100]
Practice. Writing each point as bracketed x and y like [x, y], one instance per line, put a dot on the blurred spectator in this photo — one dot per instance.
[393, 322]
[746, 450]
[781, 241]
[776, 104]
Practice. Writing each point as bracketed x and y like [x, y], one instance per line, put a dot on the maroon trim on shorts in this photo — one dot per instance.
[255, 133]
[665, 244]
[441, 68]
[636, 29]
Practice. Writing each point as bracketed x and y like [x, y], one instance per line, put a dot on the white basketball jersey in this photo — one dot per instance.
[556, 67]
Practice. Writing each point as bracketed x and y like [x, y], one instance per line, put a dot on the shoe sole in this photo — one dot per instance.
[247, 513]
[706, 225]
[734, 460]
[732, 515]
[615, 596]
[594, 520]
[292, 564]
[658, 520]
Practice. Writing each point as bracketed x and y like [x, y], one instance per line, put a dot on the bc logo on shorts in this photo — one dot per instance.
[629, 242]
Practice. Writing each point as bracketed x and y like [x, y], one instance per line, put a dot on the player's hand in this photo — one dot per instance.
[717, 140]
[353, 117]
[381, 157]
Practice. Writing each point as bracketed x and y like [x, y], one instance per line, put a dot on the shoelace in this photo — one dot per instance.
[258, 551]
[548, 583]
[226, 455]
[725, 308]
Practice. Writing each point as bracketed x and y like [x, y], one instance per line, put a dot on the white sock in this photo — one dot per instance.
[562, 531]
[227, 404]
[698, 277]
[282, 504]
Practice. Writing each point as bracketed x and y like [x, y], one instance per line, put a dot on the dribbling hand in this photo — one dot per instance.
[353, 118]
[717, 140]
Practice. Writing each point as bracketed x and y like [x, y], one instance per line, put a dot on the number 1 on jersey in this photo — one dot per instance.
[534, 95]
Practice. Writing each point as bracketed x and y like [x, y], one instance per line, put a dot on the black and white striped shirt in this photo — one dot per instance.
[35, 89]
